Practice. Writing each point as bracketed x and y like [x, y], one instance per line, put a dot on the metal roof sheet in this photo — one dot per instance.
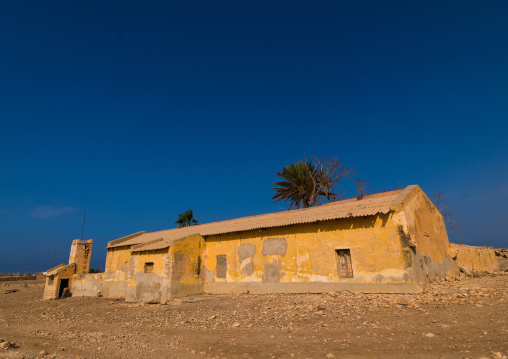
[159, 243]
[368, 206]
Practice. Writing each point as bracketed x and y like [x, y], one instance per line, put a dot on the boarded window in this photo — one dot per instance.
[344, 267]
[51, 280]
[148, 267]
[222, 266]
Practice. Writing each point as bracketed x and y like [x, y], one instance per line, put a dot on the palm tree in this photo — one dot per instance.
[307, 182]
[297, 186]
[186, 219]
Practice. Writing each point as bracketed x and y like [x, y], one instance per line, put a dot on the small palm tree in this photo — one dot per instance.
[186, 219]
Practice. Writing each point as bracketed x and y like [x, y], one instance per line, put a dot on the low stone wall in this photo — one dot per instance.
[474, 260]
[87, 285]
[149, 288]
[97, 284]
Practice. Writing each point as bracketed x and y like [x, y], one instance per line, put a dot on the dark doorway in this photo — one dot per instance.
[64, 283]
[344, 267]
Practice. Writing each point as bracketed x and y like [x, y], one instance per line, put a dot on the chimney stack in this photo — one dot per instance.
[81, 252]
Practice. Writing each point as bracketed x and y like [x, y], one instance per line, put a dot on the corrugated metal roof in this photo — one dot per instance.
[151, 245]
[368, 206]
[117, 242]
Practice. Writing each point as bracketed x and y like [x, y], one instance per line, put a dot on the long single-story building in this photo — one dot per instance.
[391, 242]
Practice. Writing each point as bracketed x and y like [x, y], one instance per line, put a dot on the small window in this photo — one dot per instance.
[148, 267]
[51, 280]
[344, 265]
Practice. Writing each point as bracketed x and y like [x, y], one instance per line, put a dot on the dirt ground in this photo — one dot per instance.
[457, 319]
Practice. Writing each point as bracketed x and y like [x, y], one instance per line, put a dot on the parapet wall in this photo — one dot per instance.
[474, 260]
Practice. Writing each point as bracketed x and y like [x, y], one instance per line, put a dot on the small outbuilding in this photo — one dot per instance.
[59, 278]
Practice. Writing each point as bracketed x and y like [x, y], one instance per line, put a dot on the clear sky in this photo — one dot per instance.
[136, 111]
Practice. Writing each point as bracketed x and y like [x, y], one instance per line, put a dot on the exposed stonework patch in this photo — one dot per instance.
[132, 267]
[179, 265]
[425, 270]
[208, 274]
[246, 250]
[222, 266]
[273, 273]
[148, 287]
[248, 268]
[275, 246]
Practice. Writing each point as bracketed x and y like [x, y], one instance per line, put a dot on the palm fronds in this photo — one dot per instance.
[186, 219]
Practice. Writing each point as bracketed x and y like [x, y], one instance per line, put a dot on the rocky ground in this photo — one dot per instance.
[454, 319]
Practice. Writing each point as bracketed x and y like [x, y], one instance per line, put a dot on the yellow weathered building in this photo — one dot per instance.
[392, 242]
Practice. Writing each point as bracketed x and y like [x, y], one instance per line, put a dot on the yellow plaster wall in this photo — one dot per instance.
[50, 290]
[155, 257]
[310, 257]
[117, 262]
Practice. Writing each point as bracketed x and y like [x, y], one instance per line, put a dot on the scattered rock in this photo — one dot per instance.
[429, 335]
[465, 271]
[497, 355]
[6, 345]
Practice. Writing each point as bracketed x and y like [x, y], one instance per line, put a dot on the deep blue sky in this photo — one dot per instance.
[138, 111]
